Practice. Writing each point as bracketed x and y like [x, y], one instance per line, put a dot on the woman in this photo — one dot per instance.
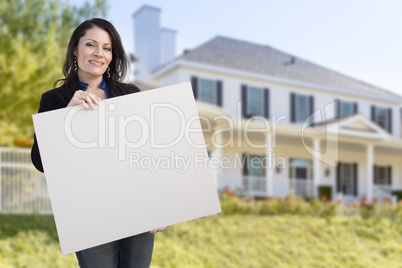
[94, 68]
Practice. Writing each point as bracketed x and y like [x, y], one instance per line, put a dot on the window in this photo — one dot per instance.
[382, 175]
[255, 99]
[382, 116]
[347, 184]
[255, 166]
[300, 169]
[302, 106]
[254, 172]
[347, 108]
[206, 91]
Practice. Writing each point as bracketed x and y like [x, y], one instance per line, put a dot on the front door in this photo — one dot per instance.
[347, 179]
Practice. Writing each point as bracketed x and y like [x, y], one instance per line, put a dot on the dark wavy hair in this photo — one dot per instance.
[119, 64]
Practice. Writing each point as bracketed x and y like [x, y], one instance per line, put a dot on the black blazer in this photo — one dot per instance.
[60, 97]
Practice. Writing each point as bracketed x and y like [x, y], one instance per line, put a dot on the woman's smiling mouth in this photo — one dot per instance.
[97, 64]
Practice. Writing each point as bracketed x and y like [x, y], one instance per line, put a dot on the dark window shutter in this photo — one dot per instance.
[219, 93]
[337, 108]
[355, 176]
[338, 178]
[266, 103]
[375, 178]
[245, 166]
[390, 120]
[290, 168]
[292, 107]
[311, 103]
[389, 171]
[244, 100]
[194, 85]
[355, 108]
[311, 109]
[373, 113]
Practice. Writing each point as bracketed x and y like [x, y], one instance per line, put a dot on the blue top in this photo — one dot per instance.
[102, 86]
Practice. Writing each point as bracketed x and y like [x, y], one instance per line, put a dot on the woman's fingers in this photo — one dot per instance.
[85, 99]
[159, 230]
[83, 104]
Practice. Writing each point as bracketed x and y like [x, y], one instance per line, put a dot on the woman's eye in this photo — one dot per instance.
[108, 48]
[89, 45]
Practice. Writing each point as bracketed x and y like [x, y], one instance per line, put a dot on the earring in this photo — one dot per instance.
[75, 64]
[108, 71]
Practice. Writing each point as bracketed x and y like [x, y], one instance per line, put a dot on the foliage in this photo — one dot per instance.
[34, 36]
[325, 191]
[398, 194]
[23, 142]
[233, 204]
[295, 205]
[228, 241]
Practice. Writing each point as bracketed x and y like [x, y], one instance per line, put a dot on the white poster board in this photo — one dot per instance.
[136, 163]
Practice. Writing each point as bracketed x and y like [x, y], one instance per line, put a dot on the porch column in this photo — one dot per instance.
[316, 165]
[270, 167]
[218, 153]
[369, 171]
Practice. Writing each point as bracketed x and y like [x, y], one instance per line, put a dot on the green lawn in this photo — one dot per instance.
[228, 241]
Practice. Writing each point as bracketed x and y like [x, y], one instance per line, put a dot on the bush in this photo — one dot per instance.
[325, 191]
[398, 194]
[295, 205]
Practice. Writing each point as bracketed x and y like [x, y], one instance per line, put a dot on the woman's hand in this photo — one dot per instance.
[158, 230]
[86, 99]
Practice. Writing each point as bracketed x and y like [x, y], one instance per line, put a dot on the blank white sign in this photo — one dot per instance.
[136, 163]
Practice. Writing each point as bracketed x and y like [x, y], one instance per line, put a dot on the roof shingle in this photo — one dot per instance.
[242, 55]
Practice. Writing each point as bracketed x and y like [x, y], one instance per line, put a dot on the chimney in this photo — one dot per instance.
[168, 45]
[153, 45]
[146, 41]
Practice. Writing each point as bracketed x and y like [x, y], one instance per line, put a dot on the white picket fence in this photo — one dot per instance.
[22, 188]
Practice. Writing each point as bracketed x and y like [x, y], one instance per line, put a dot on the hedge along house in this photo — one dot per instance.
[273, 122]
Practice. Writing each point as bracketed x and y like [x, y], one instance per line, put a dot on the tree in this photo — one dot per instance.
[33, 41]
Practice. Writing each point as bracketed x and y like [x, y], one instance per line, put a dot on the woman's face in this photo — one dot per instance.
[94, 53]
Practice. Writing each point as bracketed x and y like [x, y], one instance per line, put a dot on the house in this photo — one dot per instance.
[275, 122]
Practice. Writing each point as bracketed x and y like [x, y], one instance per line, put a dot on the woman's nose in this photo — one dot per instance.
[98, 52]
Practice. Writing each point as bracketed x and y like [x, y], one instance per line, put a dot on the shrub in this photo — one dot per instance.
[295, 205]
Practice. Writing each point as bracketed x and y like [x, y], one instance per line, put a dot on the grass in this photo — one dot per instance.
[228, 241]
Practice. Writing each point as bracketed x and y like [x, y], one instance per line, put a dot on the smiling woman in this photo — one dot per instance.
[94, 68]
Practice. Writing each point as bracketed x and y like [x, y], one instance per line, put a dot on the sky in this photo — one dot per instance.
[359, 38]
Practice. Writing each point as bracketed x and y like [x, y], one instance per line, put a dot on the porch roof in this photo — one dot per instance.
[355, 128]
